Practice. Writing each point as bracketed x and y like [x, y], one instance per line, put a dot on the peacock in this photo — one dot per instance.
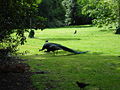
[54, 47]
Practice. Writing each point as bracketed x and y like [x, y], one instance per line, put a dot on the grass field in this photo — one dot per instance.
[100, 67]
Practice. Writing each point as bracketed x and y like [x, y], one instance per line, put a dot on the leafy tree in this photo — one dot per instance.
[74, 15]
[104, 12]
[14, 18]
[70, 7]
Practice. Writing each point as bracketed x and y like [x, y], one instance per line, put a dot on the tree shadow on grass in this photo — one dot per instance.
[79, 26]
[88, 53]
[60, 39]
[97, 53]
[86, 26]
[62, 53]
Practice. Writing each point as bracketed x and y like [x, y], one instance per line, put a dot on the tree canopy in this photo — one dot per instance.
[14, 18]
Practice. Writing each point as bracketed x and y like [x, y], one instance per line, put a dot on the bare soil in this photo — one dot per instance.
[15, 75]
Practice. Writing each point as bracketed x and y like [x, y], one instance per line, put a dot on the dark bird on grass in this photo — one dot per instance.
[54, 47]
[75, 32]
[82, 85]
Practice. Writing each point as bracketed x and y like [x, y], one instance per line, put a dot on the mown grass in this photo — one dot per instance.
[100, 67]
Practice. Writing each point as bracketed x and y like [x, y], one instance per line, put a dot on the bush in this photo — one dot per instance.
[31, 34]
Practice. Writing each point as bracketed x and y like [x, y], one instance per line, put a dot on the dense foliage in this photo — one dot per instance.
[76, 12]
[63, 12]
[53, 11]
[15, 18]
[102, 11]
[71, 11]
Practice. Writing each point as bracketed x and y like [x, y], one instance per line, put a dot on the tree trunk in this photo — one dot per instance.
[118, 29]
[31, 34]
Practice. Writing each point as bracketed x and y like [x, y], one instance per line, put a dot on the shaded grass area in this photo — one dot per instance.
[101, 72]
[100, 67]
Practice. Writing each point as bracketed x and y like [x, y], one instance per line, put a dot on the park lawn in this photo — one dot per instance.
[100, 67]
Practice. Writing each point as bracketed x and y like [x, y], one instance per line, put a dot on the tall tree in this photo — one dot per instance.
[74, 15]
[70, 7]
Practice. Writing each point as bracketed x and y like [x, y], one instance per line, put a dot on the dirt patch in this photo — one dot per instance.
[15, 81]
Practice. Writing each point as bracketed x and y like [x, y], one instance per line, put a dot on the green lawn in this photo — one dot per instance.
[100, 67]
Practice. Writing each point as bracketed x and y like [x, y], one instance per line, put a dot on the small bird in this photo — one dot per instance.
[75, 32]
[81, 85]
